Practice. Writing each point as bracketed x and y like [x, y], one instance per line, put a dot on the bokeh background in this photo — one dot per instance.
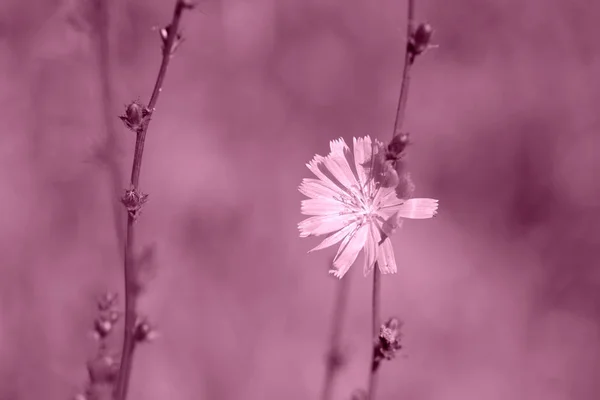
[499, 293]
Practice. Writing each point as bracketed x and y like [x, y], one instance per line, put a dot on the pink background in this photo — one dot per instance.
[499, 293]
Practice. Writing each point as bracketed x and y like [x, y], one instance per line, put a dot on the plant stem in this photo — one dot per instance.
[405, 82]
[131, 284]
[374, 367]
[400, 111]
[334, 355]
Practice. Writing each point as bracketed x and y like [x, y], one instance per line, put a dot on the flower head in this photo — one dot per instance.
[356, 209]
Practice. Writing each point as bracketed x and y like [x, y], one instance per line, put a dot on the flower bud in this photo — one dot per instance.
[135, 116]
[420, 40]
[422, 36]
[144, 332]
[133, 200]
[102, 327]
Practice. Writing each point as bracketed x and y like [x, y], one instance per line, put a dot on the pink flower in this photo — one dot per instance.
[346, 202]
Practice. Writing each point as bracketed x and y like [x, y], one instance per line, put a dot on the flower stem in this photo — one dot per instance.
[408, 61]
[400, 111]
[335, 358]
[131, 283]
[375, 333]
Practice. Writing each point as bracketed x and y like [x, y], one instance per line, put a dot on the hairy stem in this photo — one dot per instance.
[334, 354]
[131, 284]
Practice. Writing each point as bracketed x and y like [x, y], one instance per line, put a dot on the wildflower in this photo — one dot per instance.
[346, 202]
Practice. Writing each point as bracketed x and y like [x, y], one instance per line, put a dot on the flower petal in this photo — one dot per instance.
[336, 237]
[315, 188]
[337, 163]
[418, 208]
[391, 225]
[386, 203]
[371, 247]
[363, 151]
[386, 259]
[323, 207]
[315, 167]
[348, 251]
[324, 224]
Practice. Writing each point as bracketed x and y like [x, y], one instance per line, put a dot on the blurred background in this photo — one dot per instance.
[499, 294]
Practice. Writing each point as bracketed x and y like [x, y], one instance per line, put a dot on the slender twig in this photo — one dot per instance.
[131, 284]
[335, 356]
[400, 110]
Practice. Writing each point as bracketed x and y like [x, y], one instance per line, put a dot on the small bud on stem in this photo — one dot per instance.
[133, 200]
[136, 115]
[144, 331]
[420, 41]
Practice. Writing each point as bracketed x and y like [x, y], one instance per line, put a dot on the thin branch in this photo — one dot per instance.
[131, 284]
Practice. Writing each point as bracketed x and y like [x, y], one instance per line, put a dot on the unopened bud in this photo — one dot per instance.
[135, 116]
[422, 36]
[420, 40]
[133, 200]
[102, 327]
[144, 332]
